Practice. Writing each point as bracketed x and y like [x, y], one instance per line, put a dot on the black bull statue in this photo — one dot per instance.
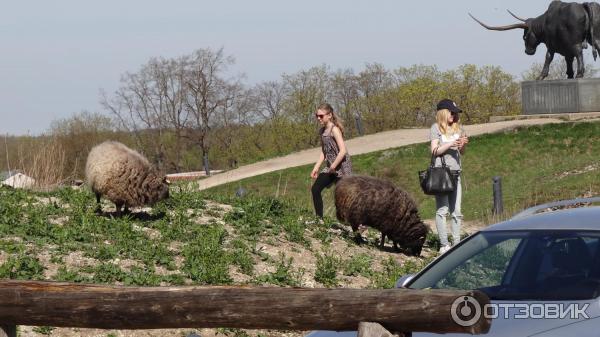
[565, 28]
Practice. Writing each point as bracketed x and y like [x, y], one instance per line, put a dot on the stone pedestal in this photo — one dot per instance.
[560, 96]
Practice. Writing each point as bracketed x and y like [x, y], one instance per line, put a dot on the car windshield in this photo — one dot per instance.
[519, 265]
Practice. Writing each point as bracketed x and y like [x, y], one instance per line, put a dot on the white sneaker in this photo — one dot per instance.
[444, 249]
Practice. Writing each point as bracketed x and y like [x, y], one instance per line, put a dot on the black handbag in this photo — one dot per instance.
[438, 180]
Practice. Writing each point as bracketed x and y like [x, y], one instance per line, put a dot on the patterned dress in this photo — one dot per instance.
[331, 150]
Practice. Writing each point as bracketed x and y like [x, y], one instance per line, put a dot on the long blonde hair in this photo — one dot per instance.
[334, 118]
[442, 122]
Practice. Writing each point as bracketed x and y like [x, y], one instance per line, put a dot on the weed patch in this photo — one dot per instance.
[284, 274]
[22, 267]
[327, 268]
[206, 261]
[359, 264]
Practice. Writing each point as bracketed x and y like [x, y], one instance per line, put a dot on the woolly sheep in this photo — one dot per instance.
[124, 176]
[368, 201]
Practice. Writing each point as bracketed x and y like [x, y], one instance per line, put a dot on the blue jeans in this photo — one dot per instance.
[449, 204]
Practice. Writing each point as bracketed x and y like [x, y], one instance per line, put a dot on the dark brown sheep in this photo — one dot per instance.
[124, 176]
[373, 202]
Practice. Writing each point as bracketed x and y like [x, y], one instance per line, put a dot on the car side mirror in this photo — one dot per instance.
[403, 281]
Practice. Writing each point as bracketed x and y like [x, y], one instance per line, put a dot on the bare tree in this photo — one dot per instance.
[208, 93]
[307, 89]
[172, 92]
[344, 88]
[373, 82]
[141, 106]
[233, 121]
[270, 97]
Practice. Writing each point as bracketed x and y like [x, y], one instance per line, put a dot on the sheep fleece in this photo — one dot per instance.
[379, 204]
[124, 176]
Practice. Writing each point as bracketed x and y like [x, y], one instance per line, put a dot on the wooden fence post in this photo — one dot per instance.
[8, 331]
[370, 329]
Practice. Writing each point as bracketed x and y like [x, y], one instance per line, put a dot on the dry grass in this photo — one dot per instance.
[44, 160]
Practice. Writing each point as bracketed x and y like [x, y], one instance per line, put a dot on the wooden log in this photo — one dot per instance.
[8, 331]
[115, 307]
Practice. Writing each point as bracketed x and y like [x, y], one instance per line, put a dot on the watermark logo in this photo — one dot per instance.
[466, 310]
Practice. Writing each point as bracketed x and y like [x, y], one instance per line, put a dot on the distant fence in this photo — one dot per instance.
[114, 307]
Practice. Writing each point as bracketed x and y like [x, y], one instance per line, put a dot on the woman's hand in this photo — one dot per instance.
[315, 172]
[464, 140]
[455, 145]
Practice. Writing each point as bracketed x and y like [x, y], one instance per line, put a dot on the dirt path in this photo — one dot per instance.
[359, 145]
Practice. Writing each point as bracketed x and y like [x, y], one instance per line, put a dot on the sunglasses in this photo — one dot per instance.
[319, 116]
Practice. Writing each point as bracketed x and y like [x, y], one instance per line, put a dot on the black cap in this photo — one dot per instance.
[448, 104]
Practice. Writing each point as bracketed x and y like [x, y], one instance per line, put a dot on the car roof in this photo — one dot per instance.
[583, 218]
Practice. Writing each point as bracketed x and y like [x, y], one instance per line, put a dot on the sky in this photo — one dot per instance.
[57, 55]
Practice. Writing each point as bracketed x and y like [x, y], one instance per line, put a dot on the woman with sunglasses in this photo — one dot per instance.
[333, 152]
[448, 139]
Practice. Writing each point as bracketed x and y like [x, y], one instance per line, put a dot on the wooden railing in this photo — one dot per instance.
[116, 307]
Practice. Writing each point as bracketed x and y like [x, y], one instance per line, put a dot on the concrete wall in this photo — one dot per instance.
[560, 96]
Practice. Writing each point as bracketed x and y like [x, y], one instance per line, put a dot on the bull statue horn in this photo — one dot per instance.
[508, 27]
[516, 17]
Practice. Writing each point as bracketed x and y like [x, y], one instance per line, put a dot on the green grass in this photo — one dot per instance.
[529, 160]
[64, 222]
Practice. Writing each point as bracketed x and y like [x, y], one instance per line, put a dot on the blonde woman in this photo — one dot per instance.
[333, 152]
[448, 139]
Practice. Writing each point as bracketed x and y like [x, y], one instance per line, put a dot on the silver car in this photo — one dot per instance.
[540, 270]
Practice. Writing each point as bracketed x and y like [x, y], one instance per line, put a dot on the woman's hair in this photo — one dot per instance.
[442, 122]
[334, 118]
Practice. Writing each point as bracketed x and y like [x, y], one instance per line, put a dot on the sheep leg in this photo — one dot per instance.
[118, 205]
[359, 239]
[357, 236]
[98, 206]
[382, 242]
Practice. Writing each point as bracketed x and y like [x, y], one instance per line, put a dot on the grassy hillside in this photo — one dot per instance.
[537, 164]
[185, 240]
[269, 237]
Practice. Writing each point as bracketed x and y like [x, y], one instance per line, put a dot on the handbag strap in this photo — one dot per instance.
[434, 154]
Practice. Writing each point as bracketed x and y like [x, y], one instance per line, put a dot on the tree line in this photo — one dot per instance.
[177, 111]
